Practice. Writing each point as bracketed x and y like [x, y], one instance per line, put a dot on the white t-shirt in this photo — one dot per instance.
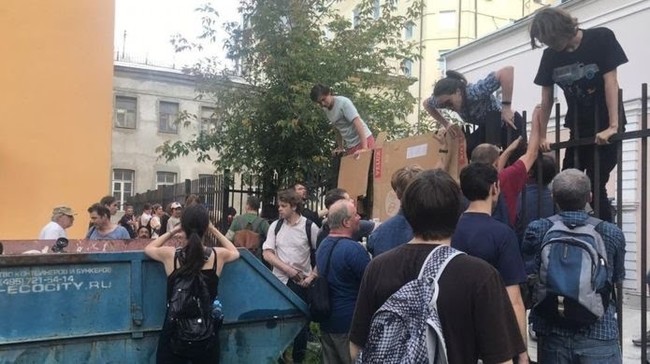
[52, 231]
[291, 247]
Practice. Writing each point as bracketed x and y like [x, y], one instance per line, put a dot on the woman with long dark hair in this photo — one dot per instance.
[194, 258]
[476, 104]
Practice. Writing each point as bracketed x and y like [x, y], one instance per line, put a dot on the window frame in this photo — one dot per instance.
[171, 125]
[121, 194]
[126, 112]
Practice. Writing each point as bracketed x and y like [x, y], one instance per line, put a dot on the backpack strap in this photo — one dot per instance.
[308, 232]
[328, 262]
[177, 257]
[278, 226]
[437, 261]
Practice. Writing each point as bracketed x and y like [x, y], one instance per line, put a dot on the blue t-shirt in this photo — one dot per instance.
[348, 263]
[119, 233]
[393, 232]
[482, 236]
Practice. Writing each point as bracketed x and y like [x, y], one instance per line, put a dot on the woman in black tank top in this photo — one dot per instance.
[193, 258]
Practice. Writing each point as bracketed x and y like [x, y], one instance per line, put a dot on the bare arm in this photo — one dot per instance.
[354, 351]
[545, 113]
[506, 77]
[505, 155]
[435, 114]
[230, 251]
[534, 140]
[520, 313]
[611, 99]
[158, 252]
[358, 126]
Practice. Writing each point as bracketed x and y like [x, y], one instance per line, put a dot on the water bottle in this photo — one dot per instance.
[217, 310]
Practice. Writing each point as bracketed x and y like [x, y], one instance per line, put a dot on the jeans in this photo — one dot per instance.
[336, 348]
[300, 342]
[577, 349]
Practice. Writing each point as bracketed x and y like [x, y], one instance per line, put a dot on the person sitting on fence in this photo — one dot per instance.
[583, 62]
[476, 104]
[103, 228]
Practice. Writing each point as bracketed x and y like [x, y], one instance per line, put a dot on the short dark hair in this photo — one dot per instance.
[100, 209]
[476, 180]
[146, 206]
[126, 205]
[550, 25]
[107, 200]
[334, 195]
[291, 197]
[431, 205]
[319, 90]
[253, 202]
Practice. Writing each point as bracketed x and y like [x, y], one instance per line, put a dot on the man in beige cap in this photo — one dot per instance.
[62, 218]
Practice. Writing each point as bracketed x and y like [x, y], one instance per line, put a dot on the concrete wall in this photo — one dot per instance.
[135, 149]
[55, 139]
[511, 46]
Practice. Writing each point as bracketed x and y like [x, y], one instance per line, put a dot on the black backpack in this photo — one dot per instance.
[189, 310]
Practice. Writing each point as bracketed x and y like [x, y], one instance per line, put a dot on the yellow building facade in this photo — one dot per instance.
[55, 134]
[443, 26]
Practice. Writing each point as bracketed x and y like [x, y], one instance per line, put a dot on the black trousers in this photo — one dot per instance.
[582, 158]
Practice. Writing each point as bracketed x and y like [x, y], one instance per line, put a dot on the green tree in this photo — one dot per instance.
[267, 124]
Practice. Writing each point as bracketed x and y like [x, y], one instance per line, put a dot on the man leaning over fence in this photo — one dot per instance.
[583, 63]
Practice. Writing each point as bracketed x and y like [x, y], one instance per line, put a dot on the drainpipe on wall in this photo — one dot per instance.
[460, 11]
[420, 69]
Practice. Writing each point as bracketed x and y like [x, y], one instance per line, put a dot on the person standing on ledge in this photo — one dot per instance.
[352, 134]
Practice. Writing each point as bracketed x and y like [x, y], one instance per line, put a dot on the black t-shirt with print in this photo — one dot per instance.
[580, 75]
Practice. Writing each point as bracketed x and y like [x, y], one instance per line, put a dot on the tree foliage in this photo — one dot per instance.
[267, 124]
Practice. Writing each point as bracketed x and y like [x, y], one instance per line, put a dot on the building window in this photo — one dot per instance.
[376, 9]
[447, 20]
[125, 111]
[167, 117]
[165, 179]
[407, 67]
[408, 30]
[122, 185]
[208, 120]
[355, 17]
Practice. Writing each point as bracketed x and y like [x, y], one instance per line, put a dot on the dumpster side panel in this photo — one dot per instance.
[109, 308]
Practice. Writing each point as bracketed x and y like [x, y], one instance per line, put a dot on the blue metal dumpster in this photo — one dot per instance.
[109, 308]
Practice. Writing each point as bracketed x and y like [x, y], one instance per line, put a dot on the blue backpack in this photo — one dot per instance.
[573, 288]
[406, 329]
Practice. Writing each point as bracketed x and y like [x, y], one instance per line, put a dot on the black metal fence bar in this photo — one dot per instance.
[644, 222]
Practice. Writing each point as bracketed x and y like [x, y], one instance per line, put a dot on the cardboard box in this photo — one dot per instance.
[353, 174]
[392, 155]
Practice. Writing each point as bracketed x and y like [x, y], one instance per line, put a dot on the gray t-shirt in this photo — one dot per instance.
[119, 233]
[341, 116]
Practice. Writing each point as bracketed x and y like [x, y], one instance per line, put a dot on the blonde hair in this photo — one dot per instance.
[402, 177]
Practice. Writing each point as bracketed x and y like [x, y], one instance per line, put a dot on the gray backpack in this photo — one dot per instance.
[406, 328]
[573, 288]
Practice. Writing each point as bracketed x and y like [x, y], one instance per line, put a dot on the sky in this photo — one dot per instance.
[149, 25]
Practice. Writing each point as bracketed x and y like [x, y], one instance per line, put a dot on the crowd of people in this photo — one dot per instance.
[513, 227]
